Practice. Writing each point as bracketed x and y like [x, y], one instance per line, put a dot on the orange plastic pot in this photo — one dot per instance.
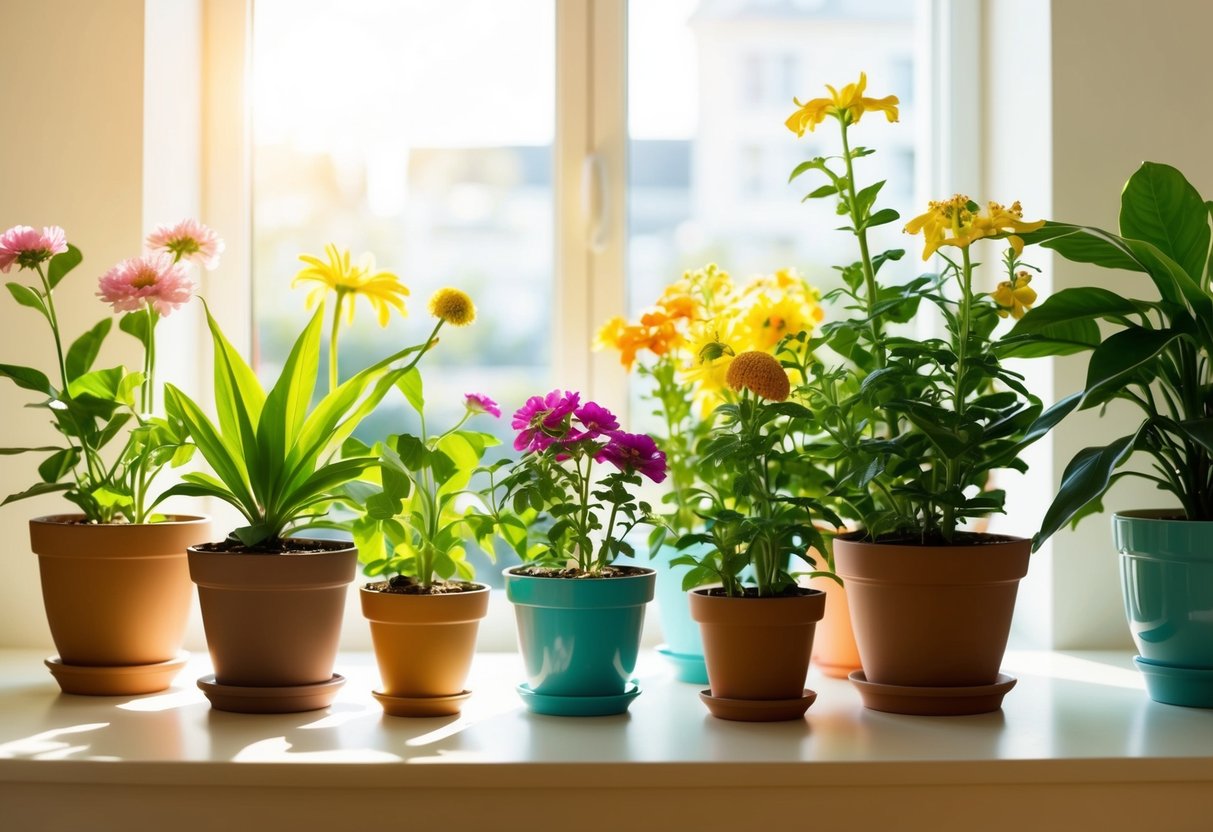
[835, 652]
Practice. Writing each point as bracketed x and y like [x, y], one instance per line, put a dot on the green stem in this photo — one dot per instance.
[865, 258]
[583, 558]
[958, 394]
[429, 343]
[333, 340]
[147, 392]
[54, 321]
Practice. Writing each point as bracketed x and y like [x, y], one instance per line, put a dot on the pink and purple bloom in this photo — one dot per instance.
[480, 403]
[596, 420]
[154, 280]
[634, 452]
[27, 247]
[187, 240]
[543, 420]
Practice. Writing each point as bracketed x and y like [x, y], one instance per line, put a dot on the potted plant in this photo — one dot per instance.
[579, 616]
[411, 529]
[662, 346]
[1156, 355]
[914, 430]
[272, 602]
[757, 638]
[114, 577]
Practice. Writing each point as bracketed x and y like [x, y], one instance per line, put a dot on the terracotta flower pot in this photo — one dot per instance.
[758, 648]
[932, 616]
[116, 596]
[424, 646]
[834, 650]
[272, 620]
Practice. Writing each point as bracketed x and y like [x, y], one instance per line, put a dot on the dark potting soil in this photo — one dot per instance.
[277, 546]
[935, 539]
[404, 585]
[752, 592]
[576, 574]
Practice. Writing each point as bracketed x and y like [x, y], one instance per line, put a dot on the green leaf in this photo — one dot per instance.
[15, 451]
[1086, 478]
[1160, 206]
[882, 217]
[1050, 418]
[1060, 338]
[818, 193]
[99, 384]
[28, 378]
[136, 324]
[58, 465]
[36, 490]
[1120, 357]
[410, 385]
[865, 199]
[83, 351]
[223, 457]
[1079, 304]
[239, 399]
[63, 263]
[285, 408]
[28, 297]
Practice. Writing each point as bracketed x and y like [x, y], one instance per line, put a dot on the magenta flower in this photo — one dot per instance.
[154, 280]
[596, 420]
[480, 403]
[634, 452]
[543, 420]
[27, 247]
[187, 240]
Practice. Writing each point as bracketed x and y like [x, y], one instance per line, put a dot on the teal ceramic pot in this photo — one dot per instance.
[579, 636]
[680, 631]
[1166, 571]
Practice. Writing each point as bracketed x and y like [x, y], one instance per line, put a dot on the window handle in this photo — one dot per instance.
[594, 202]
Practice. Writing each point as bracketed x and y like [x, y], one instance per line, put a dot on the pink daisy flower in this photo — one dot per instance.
[187, 240]
[634, 452]
[153, 279]
[480, 403]
[27, 247]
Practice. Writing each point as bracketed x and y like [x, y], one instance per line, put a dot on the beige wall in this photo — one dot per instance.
[72, 155]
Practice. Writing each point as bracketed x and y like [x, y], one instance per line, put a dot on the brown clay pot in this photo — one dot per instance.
[932, 616]
[757, 648]
[834, 650]
[273, 620]
[116, 595]
[424, 646]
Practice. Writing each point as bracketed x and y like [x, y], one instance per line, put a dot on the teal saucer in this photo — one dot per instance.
[688, 667]
[539, 703]
[1191, 687]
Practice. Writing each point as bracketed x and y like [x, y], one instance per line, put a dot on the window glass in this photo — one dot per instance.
[420, 132]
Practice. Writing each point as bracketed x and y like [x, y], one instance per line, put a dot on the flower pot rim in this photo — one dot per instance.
[346, 546]
[69, 519]
[987, 539]
[806, 592]
[477, 589]
[644, 571]
[1156, 515]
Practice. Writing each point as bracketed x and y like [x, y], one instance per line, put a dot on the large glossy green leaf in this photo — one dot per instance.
[1059, 338]
[1083, 245]
[99, 384]
[1086, 478]
[410, 385]
[137, 325]
[83, 351]
[1161, 207]
[219, 452]
[63, 263]
[239, 400]
[1123, 355]
[28, 378]
[1079, 304]
[285, 408]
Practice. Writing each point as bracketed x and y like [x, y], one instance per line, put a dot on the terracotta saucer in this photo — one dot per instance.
[688, 667]
[115, 680]
[421, 706]
[541, 703]
[758, 710]
[933, 701]
[288, 699]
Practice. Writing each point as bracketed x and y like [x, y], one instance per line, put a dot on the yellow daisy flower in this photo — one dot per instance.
[383, 290]
[847, 105]
[958, 222]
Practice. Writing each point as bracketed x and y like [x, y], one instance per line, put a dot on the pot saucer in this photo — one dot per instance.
[1191, 687]
[932, 701]
[688, 667]
[421, 706]
[288, 699]
[540, 703]
[115, 680]
[758, 710]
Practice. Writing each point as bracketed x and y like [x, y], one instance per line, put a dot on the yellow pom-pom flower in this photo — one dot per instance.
[453, 306]
[761, 374]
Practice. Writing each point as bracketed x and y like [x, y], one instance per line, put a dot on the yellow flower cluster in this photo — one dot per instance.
[702, 321]
[958, 222]
[847, 105]
[1014, 297]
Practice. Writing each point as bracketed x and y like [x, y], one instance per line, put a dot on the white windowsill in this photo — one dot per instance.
[1076, 721]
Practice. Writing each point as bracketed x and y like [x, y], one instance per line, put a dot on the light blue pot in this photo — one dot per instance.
[579, 637]
[1166, 571]
[683, 643]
